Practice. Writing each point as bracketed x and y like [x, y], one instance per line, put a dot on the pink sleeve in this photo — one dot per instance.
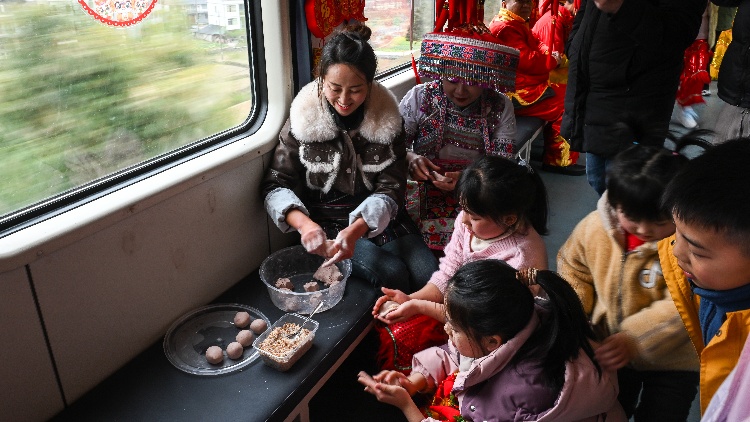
[453, 258]
[530, 252]
[435, 364]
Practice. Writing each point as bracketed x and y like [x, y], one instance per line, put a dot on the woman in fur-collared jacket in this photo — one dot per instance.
[338, 175]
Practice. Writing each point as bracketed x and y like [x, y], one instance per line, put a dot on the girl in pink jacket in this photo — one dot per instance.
[511, 356]
[504, 213]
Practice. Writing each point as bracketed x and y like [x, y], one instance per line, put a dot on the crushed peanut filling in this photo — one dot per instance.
[279, 345]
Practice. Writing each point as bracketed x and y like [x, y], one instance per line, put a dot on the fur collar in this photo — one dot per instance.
[311, 121]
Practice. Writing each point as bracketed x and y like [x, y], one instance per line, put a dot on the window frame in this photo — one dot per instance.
[92, 191]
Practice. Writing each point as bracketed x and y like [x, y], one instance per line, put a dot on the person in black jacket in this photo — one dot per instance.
[625, 62]
[734, 77]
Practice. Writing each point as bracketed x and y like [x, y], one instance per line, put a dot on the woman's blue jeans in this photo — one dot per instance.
[405, 263]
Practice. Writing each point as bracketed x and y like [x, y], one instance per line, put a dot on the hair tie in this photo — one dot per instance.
[675, 153]
[523, 163]
[527, 276]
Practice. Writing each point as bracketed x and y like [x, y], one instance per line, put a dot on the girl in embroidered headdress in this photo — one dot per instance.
[453, 120]
[511, 356]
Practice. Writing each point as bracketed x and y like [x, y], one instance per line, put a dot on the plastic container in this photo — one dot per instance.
[296, 264]
[283, 362]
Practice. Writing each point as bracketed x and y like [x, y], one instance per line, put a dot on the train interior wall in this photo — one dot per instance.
[78, 306]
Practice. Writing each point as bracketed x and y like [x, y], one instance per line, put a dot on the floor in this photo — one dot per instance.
[570, 199]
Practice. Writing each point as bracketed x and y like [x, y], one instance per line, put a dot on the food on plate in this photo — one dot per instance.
[258, 326]
[214, 355]
[241, 319]
[234, 350]
[312, 286]
[245, 338]
[284, 283]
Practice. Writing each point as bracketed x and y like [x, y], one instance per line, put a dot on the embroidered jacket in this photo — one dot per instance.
[491, 390]
[625, 291]
[319, 158]
[432, 122]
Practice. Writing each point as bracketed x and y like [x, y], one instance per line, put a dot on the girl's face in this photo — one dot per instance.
[465, 345]
[345, 88]
[645, 230]
[483, 227]
[711, 259]
[459, 93]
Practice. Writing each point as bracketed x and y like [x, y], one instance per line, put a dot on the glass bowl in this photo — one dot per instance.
[296, 264]
[289, 350]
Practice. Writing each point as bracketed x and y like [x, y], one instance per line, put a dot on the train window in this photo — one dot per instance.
[397, 29]
[92, 92]
[398, 26]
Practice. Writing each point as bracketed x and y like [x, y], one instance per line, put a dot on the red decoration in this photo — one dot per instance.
[325, 15]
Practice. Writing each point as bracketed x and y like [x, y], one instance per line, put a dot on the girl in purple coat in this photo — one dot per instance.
[511, 356]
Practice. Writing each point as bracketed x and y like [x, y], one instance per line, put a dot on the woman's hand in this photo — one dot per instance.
[343, 246]
[556, 55]
[314, 239]
[420, 168]
[446, 183]
[615, 352]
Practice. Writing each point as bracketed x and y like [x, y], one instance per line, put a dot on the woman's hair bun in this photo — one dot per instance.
[360, 29]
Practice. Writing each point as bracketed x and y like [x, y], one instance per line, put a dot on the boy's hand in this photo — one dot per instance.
[615, 352]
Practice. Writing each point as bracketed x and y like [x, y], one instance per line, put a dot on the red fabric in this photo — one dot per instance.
[556, 149]
[534, 64]
[694, 74]
[400, 341]
[444, 405]
[632, 241]
[543, 29]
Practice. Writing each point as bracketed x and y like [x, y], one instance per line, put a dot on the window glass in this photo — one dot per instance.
[394, 38]
[491, 8]
[87, 89]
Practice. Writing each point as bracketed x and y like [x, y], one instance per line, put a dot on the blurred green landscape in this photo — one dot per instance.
[81, 100]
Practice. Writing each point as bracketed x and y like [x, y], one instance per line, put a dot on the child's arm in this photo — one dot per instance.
[658, 330]
[395, 395]
[429, 292]
[413, 307]
[616, 351]
[572, 262]
[413, 383]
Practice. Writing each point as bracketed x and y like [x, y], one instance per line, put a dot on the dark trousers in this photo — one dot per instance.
[664, 395]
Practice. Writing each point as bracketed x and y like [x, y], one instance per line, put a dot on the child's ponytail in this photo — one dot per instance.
[489, 297]
[563, 332]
